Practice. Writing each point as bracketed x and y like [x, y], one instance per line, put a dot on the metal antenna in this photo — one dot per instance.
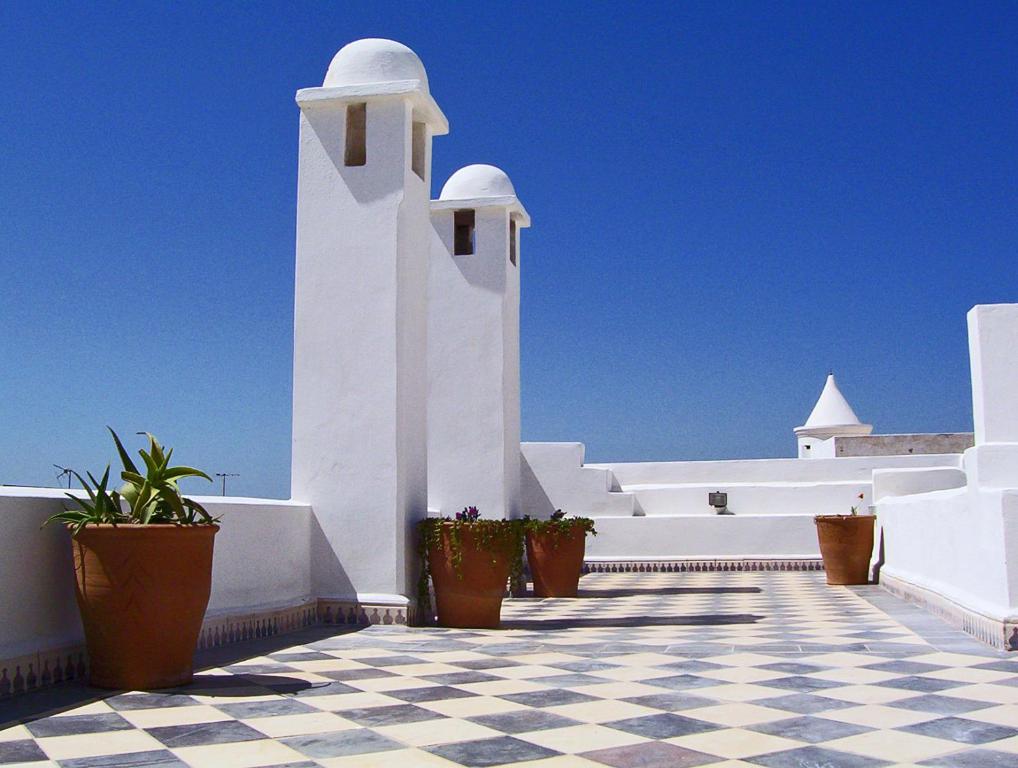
[225, 475]
[64, 471]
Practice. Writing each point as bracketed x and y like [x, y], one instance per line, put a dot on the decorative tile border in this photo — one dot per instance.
[217, 631]
[999, 634]
[351, 612]
[700, 566]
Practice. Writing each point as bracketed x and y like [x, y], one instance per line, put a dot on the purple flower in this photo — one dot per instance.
[469, 514]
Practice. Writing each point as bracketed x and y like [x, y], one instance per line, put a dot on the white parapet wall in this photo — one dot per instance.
[261, 578]
[697, 538]
[949, 551]
[949, 548]
[903, 482]
[655, 512]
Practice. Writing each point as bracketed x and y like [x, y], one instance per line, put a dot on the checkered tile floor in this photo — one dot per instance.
[670, 670]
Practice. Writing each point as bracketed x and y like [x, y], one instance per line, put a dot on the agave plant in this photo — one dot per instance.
[154, 497]
[102, 506]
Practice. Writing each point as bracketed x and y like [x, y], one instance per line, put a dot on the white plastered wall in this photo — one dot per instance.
[660, 510]
[261, 561]
[473, 368]
[954, 549]
[359, 392]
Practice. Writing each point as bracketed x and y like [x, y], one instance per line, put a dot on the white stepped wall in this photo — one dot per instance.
[553, 477]
[768, 470]
[773, 501]
[761, 486]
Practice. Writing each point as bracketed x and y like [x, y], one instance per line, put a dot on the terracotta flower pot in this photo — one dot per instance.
[142, 591]
[556, 561]
[846, 543]
[470, 596]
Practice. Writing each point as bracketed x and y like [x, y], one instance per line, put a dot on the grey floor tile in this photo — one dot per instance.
[801, 684]
[74, 724]
[159, 758]
[815, 757]
[574, 680]
[999, 665]
[904, 667]
[550, 698]
[390, 715]
[200, 734]
[684, 682]
[940, 705]
[128, 701]
[524, 720]
[811, 729]
[584, 665]
[963, 730]
[671, 702]
[663, 726]
[430, 693]
[323, 689]
[20, 751]
[974, 758]
[461, 678]
[916, 683]
[793, 668]
[502, 750]
[358, 741]
[651, 754]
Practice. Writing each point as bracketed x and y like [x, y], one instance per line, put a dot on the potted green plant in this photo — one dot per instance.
[143, 568]
[846, 544]
[469, 562]
[555, 550]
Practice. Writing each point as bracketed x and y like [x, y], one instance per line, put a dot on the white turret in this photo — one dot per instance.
[831, 417]
[474, 344]
[360, 321]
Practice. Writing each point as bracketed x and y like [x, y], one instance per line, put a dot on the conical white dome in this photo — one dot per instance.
[832, 415]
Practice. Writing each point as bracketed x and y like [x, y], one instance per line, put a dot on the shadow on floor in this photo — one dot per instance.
[703, 620]
[73, 694]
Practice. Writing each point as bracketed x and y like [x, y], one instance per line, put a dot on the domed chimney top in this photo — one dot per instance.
[481, 186]
[476, 181]
[375, 68]
[375, 60]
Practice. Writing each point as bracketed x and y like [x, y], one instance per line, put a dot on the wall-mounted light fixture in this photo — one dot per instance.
[719, 500]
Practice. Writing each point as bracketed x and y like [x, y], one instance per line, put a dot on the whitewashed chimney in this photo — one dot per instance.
[474, 345]
[360, 319]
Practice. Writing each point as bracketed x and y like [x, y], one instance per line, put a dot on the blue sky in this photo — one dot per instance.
[728, 200]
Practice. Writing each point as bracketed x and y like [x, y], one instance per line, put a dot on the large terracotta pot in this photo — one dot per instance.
[471, 597]
[142, 591]
[846, 543]
[556, 560]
